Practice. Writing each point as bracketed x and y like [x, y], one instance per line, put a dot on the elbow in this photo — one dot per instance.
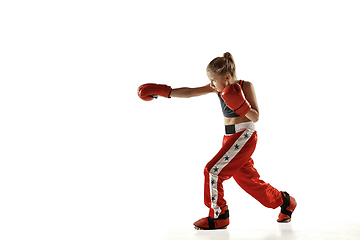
[253, 115]
[256, 117]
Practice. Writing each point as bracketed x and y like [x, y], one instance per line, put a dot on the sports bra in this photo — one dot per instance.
[228, 112]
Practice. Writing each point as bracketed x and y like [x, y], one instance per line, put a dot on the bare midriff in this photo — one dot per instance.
[235, 120]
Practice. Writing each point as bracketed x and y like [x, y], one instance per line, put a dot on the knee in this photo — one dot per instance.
[208, 168]
[206, 171]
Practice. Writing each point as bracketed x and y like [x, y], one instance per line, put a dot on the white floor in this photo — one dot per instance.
[243, 226]
[304, 230]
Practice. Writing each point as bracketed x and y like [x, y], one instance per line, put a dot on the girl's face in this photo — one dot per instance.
[218, 82]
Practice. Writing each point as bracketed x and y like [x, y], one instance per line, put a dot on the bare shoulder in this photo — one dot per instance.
[248, 88]
[250, 95]
[247, 85]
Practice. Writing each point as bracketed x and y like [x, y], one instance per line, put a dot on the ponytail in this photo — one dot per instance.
[229, 57]
[223, 65]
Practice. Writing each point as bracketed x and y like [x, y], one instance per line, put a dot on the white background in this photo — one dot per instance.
[82, 157]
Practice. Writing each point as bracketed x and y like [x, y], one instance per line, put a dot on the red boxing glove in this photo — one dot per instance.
[149, 91]
[234, 98]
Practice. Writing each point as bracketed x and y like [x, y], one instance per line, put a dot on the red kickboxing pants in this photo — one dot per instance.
[234, 160]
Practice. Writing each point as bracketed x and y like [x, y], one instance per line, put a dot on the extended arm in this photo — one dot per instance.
[191, 92]
[149, 91]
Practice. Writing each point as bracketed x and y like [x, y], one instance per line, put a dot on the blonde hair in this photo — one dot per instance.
[223, 65]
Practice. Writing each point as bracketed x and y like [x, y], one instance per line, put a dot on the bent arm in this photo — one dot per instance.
[191, 92]
[249, 92]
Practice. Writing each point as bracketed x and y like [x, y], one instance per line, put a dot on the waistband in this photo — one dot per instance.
[232, 129]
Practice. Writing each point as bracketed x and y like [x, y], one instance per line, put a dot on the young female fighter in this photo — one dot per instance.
[241, 111]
